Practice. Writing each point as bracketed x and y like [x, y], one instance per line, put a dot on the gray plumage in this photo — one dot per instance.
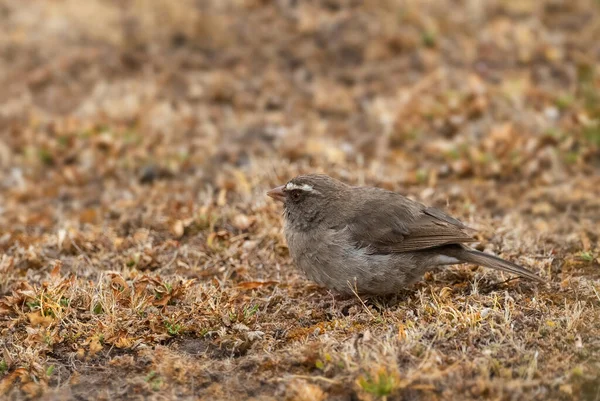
[371, 240]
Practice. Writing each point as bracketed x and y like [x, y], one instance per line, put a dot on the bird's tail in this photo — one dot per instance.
[467, 255]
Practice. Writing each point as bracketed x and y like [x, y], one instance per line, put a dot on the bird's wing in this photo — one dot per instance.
[392, 223]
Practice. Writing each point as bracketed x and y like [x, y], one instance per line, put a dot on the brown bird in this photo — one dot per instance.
[371, 240]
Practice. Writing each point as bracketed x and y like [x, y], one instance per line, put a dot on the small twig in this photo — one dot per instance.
[172, 260]
[87, 259]
[543, 257]
[493, 285]
[110, 350]
[306, 377]
[355, 292]
[595, 291]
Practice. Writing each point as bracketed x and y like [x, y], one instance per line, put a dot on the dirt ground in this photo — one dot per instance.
[141, 259]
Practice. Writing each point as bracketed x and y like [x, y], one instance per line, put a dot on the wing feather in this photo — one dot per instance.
[392, 223]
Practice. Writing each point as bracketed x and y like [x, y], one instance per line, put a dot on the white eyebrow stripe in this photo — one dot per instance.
[304, 187]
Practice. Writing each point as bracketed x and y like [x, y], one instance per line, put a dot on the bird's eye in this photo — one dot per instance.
[295, 195]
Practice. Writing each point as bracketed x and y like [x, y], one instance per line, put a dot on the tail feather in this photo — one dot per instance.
[494, 262]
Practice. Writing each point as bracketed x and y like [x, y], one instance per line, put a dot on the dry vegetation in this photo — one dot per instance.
[139, 257]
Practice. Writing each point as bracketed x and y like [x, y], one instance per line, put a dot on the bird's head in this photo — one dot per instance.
[310, 200]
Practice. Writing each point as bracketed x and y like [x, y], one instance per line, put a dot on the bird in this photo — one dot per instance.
[369, 240]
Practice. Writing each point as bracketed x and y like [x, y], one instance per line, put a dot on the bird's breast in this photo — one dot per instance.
[329, 258]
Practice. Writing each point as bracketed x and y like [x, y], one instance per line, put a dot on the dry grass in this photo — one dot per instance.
[141, 259]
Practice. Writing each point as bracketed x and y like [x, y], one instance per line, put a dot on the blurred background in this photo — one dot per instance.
[106, 94]
[138, 138]
[124, 110]
[412, 91]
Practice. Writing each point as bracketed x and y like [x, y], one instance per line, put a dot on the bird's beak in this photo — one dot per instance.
[277, 193]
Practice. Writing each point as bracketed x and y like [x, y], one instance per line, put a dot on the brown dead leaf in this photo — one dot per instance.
[88, 216]
[120, 339]
[120, 287]
[249, 285]
[36, 319]
[32, 389]
[401, 332]
[56, 270]
[80, 353]
[301, 390]
[75, 378]
[94, 346]
[165, 293]
[7, 382]
[124, 342]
